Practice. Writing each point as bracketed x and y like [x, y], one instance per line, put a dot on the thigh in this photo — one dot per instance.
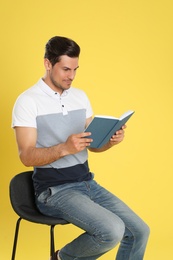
[73, 203]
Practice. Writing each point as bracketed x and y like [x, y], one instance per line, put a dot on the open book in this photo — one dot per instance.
[103, 127]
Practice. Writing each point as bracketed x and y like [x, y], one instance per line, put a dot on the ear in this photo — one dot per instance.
[47, 64]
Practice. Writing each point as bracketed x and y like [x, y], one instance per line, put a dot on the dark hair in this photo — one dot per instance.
[58, 46]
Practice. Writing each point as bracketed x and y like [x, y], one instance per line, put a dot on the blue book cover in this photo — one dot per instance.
[103, 127]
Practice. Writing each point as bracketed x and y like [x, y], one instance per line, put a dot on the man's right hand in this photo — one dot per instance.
[77, 142]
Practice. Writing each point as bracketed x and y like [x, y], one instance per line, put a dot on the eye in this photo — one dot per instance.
[66, 69]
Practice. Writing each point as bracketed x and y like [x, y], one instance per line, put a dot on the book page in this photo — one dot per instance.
[126, 114]
[109, 117]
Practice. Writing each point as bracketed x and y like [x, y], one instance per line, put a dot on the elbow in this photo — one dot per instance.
[26, 164]
[25, 161]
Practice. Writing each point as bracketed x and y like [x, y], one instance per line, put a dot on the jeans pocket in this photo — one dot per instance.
[43, 197]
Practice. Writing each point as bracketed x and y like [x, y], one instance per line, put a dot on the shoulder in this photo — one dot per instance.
[29, 94]
[26, 101]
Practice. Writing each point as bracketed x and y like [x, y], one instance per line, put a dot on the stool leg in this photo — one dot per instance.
[52, 243]
[15, 238]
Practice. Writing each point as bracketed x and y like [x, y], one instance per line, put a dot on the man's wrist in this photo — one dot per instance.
[62, 150]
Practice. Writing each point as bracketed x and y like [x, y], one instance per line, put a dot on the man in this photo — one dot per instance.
[49, 121]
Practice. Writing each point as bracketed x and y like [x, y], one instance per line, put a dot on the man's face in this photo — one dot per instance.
[60, 76]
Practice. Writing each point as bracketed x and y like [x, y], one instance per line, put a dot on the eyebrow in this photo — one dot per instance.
[70, 68]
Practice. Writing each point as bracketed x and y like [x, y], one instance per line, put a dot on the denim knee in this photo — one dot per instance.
[142, 233]
[112, 234]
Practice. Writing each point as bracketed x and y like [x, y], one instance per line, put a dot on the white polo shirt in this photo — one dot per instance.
[55, 117]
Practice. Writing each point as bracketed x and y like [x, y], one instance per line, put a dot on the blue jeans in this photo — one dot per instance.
[105, 219]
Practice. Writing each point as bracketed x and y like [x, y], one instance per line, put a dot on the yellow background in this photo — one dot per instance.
[126, 63]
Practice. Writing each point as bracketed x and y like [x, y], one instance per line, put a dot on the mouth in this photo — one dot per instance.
[68, 82]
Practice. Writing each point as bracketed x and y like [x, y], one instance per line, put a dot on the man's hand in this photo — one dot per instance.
[118, 137]
[115, 139]
[77, 142]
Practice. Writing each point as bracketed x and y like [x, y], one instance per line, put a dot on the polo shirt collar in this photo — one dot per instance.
[45, 88]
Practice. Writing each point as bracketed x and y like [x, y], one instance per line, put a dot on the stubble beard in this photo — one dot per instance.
[58, 86]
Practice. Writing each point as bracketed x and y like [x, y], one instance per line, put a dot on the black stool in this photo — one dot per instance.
[23, 202]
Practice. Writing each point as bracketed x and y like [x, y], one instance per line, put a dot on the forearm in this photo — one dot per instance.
[34, 156]
[30, 155]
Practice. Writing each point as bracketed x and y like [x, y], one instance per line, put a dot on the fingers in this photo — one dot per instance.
[84, 139]
[83, 134]
[118, 137]
[78, 142]
[124, 126]
[121, 131]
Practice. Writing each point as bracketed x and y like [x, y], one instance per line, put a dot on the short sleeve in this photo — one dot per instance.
[24, 112]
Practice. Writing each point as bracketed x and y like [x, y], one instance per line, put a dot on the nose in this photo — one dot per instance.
[71, 74]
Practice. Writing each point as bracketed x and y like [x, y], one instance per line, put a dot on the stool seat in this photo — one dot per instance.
[23, 202]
